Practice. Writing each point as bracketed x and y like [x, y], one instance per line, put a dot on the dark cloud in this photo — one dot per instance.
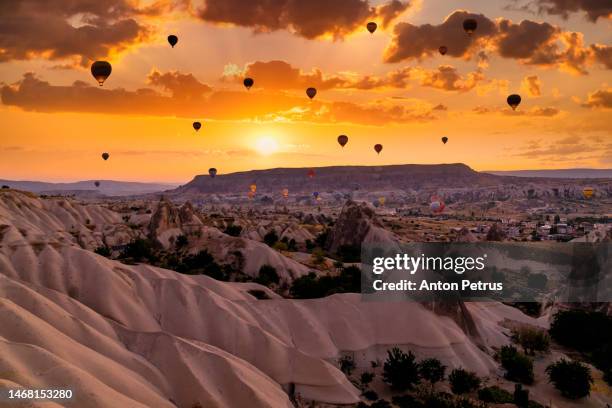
[414, 42]
[34, 94]
[447, 78]
[602, 98]
[281, 75]
[309, 19]
[82, 29]
[594, 9]
[571, 147]
[529, 42]
[548, 111]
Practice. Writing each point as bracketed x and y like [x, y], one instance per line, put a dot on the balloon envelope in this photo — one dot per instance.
[378, 148]
[470, 25]
[372, 26]
[311, 92]
[285, 192]
[172, 39]
[248, 83]
[101, 70]
[514, 100]
[311, 173]
[212, 171]
[443, 50]
[97, 183]
[197, 126]
[436, 205]
[105, 156]
[253, 187]
[343, 140]
[444, 139]
[587, 192]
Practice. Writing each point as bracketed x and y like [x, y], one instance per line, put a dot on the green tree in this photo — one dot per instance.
[432, 370]
[400, 370]
[463, 381]
[267, 275]
[271, 238]
[518, 366]
[572, 378]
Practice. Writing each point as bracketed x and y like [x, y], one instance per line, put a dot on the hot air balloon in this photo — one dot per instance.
[443, 49]
[97, 183]
[469, 25]
[101, 70]
[343, 140]
[587, 192]
[372, 26]
[378, 148]
[381, 201]
[444, 139]
[250, 194]
[436, 205]
[212, 171]
[172, 39]
[248, 83]
[197, 126]
[311, 92]
[311, 173]
[253, 188]
[316, 195]
[105, 156]
[514, 100]
[285, 193]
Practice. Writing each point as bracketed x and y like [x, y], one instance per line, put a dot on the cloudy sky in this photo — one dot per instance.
[392, 87]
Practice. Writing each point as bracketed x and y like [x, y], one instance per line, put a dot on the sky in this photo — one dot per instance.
[391, 87]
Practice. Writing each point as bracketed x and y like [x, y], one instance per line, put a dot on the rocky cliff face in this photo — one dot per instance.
[169, 221]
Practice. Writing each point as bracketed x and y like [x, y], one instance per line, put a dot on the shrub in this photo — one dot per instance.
[495, 395]
[349, 253]
[572, 378]
[233, 230]
[381, 403]
[370, 395]
[139, 250]
[518, 366]
[432, 370]
[531, 339]
[181, 242]
[347, 364]
[103, 250]
[406, 401]
[439, 400]
[581, 330]
[521, 396]
[271, 238]
[318, 256]
[258, 294]
[400, 370]
[366, 378]
[267, 275]
[463, 381]
[280, 246]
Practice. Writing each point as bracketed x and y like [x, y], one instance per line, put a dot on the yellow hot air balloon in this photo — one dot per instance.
[285, 192]
[251, 195]
[253, 187]
[381, 201]
[588, 192]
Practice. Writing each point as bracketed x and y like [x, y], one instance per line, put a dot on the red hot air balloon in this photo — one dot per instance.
[372, 26]
[343, 140]
[444, 139]
[436, 205]
[101, 70]
[197, 126]
[470, 25]
[105, 156]
[311, 92]
[378, 148]
[443, 50]
[172, 39]
[311, 173]
[514, 101]
[248, 83]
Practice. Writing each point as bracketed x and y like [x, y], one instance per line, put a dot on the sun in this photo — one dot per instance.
[266, 145]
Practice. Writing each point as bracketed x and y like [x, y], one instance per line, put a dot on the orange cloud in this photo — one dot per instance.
[602, 98]
[33, 94]
[532, 85]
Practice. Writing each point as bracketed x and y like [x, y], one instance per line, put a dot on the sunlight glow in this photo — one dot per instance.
[266, 145]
